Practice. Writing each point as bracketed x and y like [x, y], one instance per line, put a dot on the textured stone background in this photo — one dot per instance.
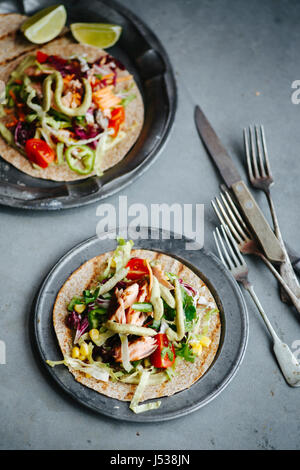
[237, 60]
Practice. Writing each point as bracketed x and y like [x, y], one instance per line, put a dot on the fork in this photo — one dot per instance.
[260, 176]
[234, 261]
[229, 215]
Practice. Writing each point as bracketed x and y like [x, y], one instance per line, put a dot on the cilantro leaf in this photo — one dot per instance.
[167, 351]
[185, 352]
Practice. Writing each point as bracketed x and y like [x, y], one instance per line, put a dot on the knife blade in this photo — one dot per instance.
[233, 180]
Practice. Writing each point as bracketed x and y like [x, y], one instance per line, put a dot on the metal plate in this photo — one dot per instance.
[233, 338]
[144, 56]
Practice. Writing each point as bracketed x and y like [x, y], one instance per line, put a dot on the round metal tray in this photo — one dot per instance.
[233, 342]
[144, 56]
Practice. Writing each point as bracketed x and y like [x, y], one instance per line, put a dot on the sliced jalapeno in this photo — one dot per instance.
[80, 158]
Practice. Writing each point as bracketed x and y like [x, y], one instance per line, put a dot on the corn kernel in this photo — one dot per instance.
[84, 349]
[197, 348]
[81, 357]
[79, 308]
[205, 341]
[88, 376]
[94, 334]
[75, 353]
[147, 362]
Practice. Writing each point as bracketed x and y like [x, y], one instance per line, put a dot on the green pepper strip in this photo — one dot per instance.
[57, 77]
[87, 159]
[142, 307]
[9, 138]
[129, 329]
[6, 134]
[59, 153]
[19, 71]
[156, 300]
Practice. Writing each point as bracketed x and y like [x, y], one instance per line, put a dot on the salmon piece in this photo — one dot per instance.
[129, 295]
[67, 99]
[160, 276]
[125, 299]
[134, 316]
[138, 349]
[74, 85]
[33, 71]
[37, 86]
[71, 100]
[119, 316]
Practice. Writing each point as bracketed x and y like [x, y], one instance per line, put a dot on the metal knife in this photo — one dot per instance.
[233, 180]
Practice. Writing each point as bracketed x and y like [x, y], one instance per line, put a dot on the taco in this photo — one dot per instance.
[71, 111]
[136, 325]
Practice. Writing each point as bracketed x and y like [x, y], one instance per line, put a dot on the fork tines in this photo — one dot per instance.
[228, 250]
[228, 214]
[258, 167]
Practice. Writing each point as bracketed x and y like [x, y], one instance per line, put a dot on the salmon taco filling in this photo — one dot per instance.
[138, 325]
[66, 110]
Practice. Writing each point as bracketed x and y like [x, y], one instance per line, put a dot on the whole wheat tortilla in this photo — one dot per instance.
[85, 277]
[65, 47]
[12, 41]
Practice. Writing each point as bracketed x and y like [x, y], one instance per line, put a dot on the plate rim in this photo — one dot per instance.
[141, 418]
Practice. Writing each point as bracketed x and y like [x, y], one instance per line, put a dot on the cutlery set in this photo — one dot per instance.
[244, 229]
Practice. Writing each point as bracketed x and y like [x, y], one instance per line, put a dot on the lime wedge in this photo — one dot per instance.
[45, 25]
[96, 34]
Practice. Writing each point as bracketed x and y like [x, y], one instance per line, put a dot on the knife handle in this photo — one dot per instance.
[258, 223]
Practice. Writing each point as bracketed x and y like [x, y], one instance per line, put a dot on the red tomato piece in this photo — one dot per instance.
[117, 118]
[137, 268]
[41, 57]
[164, 354]
[39, 152]
[118, 113]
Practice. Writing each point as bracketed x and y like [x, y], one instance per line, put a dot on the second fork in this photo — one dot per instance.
[228, 214]
[260, 176]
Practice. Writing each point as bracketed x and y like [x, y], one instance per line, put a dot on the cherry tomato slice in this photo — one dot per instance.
[164, 354]
[41, 57]
[137, 268]
[39, 152]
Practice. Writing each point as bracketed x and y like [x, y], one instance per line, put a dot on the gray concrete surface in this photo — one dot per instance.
[238, 60]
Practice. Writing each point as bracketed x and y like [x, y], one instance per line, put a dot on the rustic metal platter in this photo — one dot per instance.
[231, 351]
[144, 56]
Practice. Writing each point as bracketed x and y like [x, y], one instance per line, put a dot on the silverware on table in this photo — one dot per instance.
[260, 176]
[252, 212]
[231, 257]
[228, 214]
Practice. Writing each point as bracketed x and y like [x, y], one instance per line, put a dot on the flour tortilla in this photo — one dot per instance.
[86, 277]
[16, 46]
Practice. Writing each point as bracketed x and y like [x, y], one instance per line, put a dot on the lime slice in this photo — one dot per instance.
[96, 34]
[45, 25]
